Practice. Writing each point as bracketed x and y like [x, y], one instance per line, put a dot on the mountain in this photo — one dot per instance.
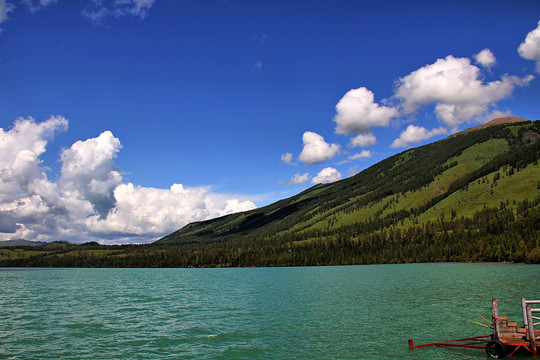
[490, 172]
[21, 242]
[474, 196]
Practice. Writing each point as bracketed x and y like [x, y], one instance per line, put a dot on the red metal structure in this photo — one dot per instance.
[507, 339]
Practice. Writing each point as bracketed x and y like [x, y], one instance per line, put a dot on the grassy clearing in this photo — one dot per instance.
[469, 160]
[487, 193]
[19, 253]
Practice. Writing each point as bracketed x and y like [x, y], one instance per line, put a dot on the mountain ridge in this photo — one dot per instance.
[465, 156]
[497, 121]
[21, 242]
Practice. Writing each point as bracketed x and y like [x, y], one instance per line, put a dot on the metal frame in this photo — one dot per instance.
[500, 327]
[475, 342]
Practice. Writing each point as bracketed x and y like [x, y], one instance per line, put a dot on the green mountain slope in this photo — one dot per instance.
[491, 167]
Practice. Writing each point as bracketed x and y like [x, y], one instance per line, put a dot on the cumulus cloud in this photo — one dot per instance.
[287, 158]
[316, 150]
[89, 172]
[151, 211]
[363, 140]
[89, 201]
[20, 149]
[415, 134]
[326, 175]
[485, 58]
[98, 10]
[357, 111]
[530, 47]
[26, 195]
[454, 86]
[234, 205]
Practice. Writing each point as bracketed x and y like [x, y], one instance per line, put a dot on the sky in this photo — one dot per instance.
[121, 121]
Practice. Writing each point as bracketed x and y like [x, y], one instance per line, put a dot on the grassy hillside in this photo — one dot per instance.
[474, 196]
[452, 178]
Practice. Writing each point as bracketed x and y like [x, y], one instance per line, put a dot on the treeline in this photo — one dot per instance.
[491, 235]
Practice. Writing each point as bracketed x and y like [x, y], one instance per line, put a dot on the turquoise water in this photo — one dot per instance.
[350, 312]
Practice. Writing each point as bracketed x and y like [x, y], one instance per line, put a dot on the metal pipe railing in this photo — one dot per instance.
[524, 304]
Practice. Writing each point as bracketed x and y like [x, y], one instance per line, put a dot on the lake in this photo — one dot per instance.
[343, 312]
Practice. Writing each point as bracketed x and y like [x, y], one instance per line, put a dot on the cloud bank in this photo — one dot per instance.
[90, 201]
[456, 89]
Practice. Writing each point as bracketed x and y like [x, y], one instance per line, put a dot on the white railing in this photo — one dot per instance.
[529, 318]
[524, 304]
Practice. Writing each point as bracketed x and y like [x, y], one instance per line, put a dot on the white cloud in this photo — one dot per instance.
[414, 134]
[89, 201]
[353, 170]
[5, 8]
[20, 149]
[364, 154]
[530, 47]
[26, 195]
[96, 11]
[89, 172]
[316, 150]
[326, 175]
[153, 212]
[30, 4]
[485, 58]
[258, 66]
[356, 112]
[287, 158]
[299, 179]
[235, 205]
[454, 86]
[363, 140]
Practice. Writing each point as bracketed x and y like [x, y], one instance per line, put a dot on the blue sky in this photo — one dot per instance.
[124, 120]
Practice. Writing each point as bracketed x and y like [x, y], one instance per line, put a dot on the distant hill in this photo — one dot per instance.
[21, 242]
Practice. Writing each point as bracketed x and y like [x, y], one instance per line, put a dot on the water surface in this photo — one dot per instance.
[349, 312]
